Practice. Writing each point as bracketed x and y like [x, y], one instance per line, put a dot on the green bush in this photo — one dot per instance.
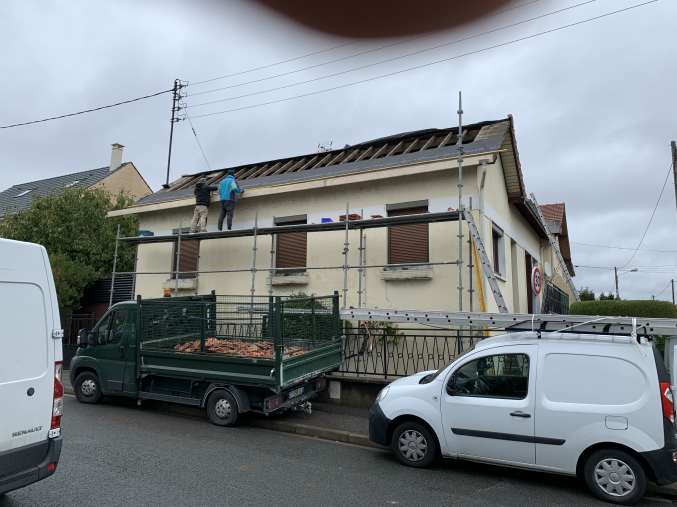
[622, 308]
[70, 278]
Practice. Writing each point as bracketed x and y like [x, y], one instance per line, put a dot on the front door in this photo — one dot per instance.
[488, 405]
[111, 349]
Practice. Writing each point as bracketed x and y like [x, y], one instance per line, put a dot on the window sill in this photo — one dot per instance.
[423, 273]
[295, 279]
[500, 277]
[184, 284]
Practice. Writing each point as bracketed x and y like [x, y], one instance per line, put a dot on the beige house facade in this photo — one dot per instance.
[412, 173]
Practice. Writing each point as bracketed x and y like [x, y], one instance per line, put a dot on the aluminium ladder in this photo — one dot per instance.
[484, 260]
[553, 244]
[520, 321]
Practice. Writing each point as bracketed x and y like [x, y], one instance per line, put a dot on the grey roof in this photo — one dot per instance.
[391, 151]
[12, 199]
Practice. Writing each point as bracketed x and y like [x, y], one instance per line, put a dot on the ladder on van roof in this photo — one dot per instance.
[519, 321]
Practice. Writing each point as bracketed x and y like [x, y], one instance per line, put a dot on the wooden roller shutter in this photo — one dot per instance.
[408, 243]
[188, 258]
[292, 248]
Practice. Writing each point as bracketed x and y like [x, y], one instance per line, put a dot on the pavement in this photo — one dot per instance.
[335, 423]
[116, 454]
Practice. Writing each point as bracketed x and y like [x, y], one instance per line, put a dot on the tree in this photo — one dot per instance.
[586, 294]
[73, 222]
[73, 226]
[70, 278]
[608, 297]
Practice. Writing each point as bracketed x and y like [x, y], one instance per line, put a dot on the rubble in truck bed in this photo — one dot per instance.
[238, 348]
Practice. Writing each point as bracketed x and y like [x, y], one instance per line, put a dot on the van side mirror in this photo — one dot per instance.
[82, 338]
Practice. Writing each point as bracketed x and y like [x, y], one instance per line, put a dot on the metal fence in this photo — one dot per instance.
[555, 300]
[72, 323]
[398, 352]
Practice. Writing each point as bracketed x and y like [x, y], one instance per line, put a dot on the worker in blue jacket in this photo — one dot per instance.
[228, 190]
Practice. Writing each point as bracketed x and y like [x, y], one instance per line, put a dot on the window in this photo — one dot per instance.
[72, 183]
[498, 251]
[407, 243]
[102, 330]
[499, 376]
[21, 194]
[292, 248]
[117, 326]
[188, 260]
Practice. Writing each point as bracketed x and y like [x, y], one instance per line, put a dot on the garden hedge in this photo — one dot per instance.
[649, 308]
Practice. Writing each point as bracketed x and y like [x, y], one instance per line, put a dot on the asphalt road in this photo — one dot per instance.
[116, 454]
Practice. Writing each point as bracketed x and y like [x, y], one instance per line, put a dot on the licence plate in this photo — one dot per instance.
[295, 393]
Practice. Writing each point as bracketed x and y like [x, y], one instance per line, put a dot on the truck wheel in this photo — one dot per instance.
[222, 409]
[615, 476]
[413, 445]
[87, 388]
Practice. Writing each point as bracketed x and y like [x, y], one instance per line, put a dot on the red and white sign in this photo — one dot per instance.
[536, 281]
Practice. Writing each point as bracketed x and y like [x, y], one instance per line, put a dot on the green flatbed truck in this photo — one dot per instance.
[228, 354]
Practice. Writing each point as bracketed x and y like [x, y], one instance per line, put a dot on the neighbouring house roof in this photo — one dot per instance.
[20, 196]
[392, 151]
[557, 213]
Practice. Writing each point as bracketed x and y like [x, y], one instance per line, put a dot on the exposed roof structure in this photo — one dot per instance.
[557, 213]
[20, 196]
[393, 151]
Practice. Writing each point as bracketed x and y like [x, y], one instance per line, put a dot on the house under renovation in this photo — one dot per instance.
[400, 246]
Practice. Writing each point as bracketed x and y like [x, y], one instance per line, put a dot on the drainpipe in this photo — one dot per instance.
[483, 178]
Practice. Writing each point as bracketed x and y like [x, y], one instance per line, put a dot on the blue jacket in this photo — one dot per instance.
[229, 188]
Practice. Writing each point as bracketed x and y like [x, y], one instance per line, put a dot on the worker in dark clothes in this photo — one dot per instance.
[202, 194]
[228, 189]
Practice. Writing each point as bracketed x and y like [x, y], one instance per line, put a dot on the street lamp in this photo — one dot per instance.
[617, 275]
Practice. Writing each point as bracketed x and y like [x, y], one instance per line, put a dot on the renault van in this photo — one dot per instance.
[31, 392]
[595, 406]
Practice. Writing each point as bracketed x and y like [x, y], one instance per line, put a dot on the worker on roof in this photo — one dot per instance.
[202, 193]
[228, 189]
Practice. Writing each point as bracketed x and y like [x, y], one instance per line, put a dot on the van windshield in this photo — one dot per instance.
[432, 377]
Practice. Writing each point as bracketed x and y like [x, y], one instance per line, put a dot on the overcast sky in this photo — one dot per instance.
[594, 104]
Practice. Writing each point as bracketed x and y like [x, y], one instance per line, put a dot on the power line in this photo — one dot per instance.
[340, 46]
[666, 288]
[373, 50]
[623, 248]
[651, 219]
[429, 64]
[198, 141]
[87, 111]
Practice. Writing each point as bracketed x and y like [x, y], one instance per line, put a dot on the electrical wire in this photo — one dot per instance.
[666, 288]
[343, 45]
[88, 110]
[430, 64]
[198, 141]
[371, 51]
[651, 219]
[623, 248]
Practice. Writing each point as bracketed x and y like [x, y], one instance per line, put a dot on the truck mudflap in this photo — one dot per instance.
[299, 395]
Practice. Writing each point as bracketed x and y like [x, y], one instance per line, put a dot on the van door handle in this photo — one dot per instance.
[122, 351]
[520, 414]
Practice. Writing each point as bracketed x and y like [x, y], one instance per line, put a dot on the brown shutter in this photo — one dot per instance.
[408, 243]
[292, 248]
[188, 259]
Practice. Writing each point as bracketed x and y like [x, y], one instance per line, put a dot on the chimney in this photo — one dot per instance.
[116, 156]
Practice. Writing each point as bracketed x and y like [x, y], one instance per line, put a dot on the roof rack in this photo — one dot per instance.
[642, 326]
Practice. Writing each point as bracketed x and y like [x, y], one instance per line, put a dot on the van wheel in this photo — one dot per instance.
[413, 445]
[222, 409]
[87, 388]
[615, 476]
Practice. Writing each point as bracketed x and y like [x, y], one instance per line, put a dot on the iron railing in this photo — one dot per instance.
[398, 352]
[555, 300]
[72, 323]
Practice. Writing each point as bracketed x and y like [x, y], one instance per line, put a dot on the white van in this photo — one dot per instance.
[596, 406]
[31, 393]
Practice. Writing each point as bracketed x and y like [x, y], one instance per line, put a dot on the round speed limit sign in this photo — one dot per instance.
[536, 281]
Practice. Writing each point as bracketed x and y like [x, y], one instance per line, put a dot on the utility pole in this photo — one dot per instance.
[175, 99]
[673, 146]
[616, 275]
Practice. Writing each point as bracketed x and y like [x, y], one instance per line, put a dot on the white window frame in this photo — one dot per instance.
[497, 235]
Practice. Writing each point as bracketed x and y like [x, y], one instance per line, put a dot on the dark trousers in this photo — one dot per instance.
[227, 208]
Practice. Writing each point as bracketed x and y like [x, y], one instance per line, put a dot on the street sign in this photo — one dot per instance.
[536, 281]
